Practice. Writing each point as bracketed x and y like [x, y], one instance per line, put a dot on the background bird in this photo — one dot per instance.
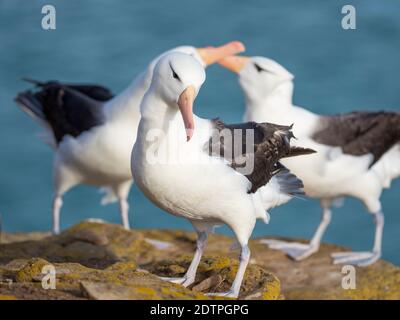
[358, 153]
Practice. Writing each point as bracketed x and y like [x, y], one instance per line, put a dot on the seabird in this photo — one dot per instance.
[358, 153]
[187, 166]
[92, 132]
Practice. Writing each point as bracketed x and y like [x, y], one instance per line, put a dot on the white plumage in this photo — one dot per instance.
[180, 177]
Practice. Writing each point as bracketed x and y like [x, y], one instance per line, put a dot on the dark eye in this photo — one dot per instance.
[258, 68]
[174, 74]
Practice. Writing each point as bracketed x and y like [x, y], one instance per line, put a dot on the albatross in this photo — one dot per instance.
[189, 167]
[358, 153]
[92, 132]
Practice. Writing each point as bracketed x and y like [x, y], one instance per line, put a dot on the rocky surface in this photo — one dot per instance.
[104, 261]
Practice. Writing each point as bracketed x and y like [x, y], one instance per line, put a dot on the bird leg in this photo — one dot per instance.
[300, 251]
[190, 275]
[366, 258]
[57, 204]
[235, 288]
[124, 210]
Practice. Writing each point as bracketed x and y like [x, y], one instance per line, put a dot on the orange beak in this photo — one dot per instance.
[234, 63]
[185, 103]
[211, 55]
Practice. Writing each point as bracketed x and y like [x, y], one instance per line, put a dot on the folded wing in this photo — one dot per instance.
[360, 133]
[262, 144]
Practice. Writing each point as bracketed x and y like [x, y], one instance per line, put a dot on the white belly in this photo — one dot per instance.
[193, 188]
[100, 156]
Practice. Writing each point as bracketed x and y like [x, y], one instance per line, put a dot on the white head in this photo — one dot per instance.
[177, 79]
[258, 76]
[205, 56]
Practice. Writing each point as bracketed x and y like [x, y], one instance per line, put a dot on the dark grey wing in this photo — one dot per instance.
[67, 111]
[268, 144]
[93, 91]
[360, 133]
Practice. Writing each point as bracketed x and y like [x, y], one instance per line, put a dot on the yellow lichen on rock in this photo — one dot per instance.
[31, 270]
[381, 283]
[272, 288]
[7, 297]
[104, 261]
[123, 266]
[257, 284]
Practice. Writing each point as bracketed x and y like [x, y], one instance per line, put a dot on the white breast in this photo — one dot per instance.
[191, 186]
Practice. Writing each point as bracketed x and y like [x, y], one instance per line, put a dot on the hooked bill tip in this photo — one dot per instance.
[239, 46]
[236, 46]
[189, 133]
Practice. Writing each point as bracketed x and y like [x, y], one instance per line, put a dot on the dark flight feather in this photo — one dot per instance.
[271, 143]
[360, 133]
[66, 109]
[93, 91]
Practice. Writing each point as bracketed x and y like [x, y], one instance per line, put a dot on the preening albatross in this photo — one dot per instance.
[189, 167]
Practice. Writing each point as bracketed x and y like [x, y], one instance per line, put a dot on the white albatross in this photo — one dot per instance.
[92, 132]
[202, 186]
[358, 153]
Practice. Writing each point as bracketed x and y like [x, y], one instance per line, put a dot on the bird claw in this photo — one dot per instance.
[295, 250]
[361, 259]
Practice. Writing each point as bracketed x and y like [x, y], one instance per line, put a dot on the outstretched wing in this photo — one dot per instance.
[360, 133]
[268, 143]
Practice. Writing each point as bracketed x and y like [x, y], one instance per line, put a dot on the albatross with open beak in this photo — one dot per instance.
[358, 153]
[92, 132]
[186, 166]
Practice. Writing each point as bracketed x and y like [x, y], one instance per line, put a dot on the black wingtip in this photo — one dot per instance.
[298, 151]
[20, 97]
[291, 131]
[33, 81]
[17, 99]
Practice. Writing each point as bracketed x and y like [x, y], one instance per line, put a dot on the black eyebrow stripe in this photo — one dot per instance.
[262, 69]
[174, 71]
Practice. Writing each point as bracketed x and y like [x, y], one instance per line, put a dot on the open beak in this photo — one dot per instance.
[234, 63]
[211, 55]
[185, 103]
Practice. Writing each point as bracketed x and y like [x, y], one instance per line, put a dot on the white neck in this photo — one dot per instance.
[277, 107]
[270, 106]
[156, 115]
[126, 105]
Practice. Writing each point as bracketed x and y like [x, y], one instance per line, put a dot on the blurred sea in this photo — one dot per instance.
[110, 42]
